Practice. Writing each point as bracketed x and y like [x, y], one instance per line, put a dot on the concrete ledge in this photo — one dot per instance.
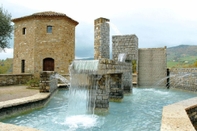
[11, 127]
[175, 117]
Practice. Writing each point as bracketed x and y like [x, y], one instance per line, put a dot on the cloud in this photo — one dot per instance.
[7, 54]
[157, 23]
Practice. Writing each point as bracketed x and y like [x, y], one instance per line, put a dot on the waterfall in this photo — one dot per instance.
[82, 87]
[80, 109]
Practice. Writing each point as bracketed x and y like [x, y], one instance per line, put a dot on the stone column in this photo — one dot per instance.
[101, 38]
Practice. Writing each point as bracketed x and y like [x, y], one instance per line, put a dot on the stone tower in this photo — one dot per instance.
[101, 38]
[43, 41]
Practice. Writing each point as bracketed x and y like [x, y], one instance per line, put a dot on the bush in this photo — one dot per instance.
[34, 82]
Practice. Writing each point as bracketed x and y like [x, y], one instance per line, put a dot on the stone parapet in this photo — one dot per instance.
[14, 79]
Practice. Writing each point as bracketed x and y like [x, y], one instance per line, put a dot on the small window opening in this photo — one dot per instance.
[23, 66]
[49, 29]
[24, 31]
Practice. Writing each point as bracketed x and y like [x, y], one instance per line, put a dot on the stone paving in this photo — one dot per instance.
[15, 95]
[14, 92]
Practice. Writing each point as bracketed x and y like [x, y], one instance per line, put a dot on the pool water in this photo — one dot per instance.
[139, 111]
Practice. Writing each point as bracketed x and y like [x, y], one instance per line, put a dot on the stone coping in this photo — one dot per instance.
[15, 102]
[11, 127]
[175, 118]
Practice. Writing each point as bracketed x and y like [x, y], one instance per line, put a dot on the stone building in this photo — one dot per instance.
[43, 41]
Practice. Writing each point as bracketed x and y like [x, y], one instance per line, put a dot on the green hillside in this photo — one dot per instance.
[181, 56]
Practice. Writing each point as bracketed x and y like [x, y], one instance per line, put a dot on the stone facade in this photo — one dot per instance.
[101, 38]
[125, 44]
[152, 66]
[43, 36]
[184, 78]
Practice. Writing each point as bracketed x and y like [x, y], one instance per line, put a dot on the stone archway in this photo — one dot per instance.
[48, 64]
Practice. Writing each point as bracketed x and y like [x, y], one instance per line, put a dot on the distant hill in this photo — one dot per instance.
[182, 55]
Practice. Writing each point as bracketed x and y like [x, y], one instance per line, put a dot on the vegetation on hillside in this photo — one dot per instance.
[182, 56]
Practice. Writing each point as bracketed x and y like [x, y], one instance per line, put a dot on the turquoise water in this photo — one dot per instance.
[139, 111]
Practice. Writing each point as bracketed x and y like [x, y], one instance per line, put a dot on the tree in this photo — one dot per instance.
[5, 29]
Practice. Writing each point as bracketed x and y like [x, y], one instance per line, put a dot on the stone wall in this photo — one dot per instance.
[184, 78]
[14, 79]
[192, 114]
[125, 44]
[152, 66]
[101, 38]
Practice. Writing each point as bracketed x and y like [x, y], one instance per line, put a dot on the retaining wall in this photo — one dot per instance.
[14, 79]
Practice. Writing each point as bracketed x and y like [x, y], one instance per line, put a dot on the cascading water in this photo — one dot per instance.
[80, 112]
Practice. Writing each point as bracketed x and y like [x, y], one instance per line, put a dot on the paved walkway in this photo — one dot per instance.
[15, 92]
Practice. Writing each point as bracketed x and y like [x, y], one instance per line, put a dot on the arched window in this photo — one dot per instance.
[48, 64]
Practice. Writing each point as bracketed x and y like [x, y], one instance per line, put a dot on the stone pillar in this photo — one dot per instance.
[116, 87]
[99, 93]
[101, 38]
[46, 83]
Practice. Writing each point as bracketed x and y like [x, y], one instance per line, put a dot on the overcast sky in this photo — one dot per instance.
[157, 23]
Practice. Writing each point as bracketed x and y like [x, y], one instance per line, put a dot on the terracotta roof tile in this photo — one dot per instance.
[45, 14]
[48, 13]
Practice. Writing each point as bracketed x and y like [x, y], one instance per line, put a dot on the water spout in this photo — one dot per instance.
[122, 57]
[114, 28]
